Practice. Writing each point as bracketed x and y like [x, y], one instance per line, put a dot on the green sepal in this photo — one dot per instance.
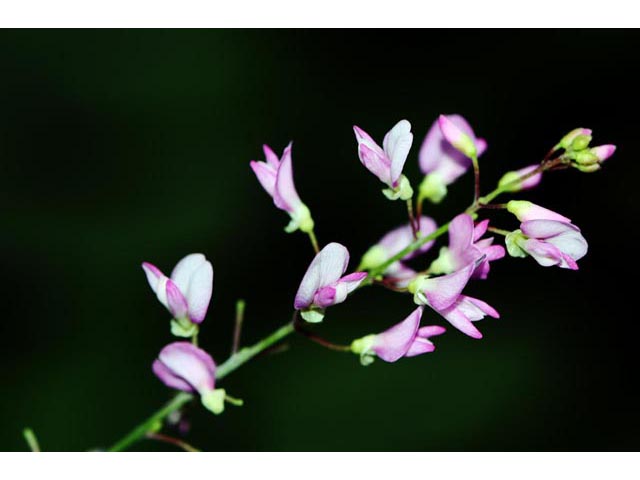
[312, 315]
[183, 327]
[213, 400]
[402, 192]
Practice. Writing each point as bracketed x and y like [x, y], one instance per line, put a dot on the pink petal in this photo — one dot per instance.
[199, 292]
[461, 232]
[169, 378]
[443, 291]
[325, 269]
[157, 281]
[177, 303]
[271, 157]
[527, 211]
[266, 175]
[185, 268]
[397, 143]
[480, 229]
[188, 362]
[393, 343]
[286, 197]
[543, 229]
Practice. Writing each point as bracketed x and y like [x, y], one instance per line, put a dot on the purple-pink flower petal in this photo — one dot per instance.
[393, 343]
[325, 269]
[184, 362]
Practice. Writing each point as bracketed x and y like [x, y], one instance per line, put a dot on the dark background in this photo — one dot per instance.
[123, 146]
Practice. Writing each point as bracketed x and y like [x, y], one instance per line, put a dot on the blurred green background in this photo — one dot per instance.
[123, 146]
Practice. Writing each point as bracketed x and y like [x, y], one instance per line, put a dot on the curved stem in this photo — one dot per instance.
[322, 341]
[232, 363]
[172, 441]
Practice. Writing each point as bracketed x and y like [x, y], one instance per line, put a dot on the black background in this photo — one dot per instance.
[123, 146]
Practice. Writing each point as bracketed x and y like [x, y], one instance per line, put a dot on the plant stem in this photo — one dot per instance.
[476, 179]
[244, 355]
[152, 422]
[240, 306]
[173, 441]
[321, 341]
[232, 363]
[314, 241]
[31, 440]
[412, 219]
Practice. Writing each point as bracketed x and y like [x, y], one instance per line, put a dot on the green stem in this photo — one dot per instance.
[314, 241]
[152, 422]
[232, 363]
[374, 272]
[31, 440]
[244, 355]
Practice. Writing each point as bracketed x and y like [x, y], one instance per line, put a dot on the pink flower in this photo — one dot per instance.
[393, 243]
[386, 163]
[440, 160]
[525, 211]
[549, 242]
[322, 285]
[276, 177]
[406, 339]
[186, 294]
[183, 366]
[466, 310]
[444, 295]
[465, 246]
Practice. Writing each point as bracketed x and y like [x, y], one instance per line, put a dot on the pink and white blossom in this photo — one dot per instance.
[444, 295]
[406, 339]
[549, 242]
[187, 293]
[440, 160]
[387, 162]
[276, 177]
[323, 284]
[185, 367]
[465, 246]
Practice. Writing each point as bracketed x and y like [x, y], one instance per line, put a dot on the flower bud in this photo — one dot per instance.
[586, 157]
[509, 181]
[588, 168]
[603, 151]
[457, 138]
[580, 142]
[568, 139]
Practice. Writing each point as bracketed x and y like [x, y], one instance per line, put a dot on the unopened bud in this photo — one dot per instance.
[586, 157]
[580, 142]
[571, 136]
[457, 138]
[588, 168]
[603, 151]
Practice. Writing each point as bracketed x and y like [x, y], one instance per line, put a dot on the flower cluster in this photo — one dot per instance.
[397, 261]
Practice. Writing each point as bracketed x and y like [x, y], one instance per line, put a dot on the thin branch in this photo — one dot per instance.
[172, 441]
[240, 306]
